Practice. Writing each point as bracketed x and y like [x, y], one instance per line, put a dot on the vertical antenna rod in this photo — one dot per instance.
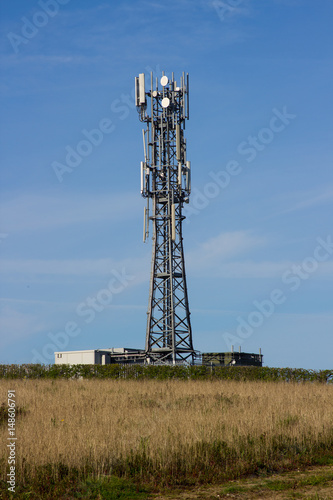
[165, 179]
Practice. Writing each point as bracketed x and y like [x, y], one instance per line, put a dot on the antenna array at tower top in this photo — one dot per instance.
[168, 96]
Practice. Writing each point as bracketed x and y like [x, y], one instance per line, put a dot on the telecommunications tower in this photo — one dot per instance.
[166, 184]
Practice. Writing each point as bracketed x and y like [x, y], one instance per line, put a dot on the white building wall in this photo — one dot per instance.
[89, 357]
[75, 357]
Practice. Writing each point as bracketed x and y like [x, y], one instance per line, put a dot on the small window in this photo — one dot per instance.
[59, 355]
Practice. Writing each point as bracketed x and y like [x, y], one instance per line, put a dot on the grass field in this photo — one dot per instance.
[85, 438]
[314, 483]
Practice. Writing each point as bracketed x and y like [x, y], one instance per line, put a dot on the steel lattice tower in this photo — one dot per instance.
[166, 184]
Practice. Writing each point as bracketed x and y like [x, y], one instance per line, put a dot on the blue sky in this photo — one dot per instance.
[258, 234]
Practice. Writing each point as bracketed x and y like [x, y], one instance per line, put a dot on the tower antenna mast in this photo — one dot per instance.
[166, 184]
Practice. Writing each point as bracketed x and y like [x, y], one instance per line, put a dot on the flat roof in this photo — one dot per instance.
[116, 350]
[231, 352]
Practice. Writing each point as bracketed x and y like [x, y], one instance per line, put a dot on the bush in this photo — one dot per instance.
[165, 372]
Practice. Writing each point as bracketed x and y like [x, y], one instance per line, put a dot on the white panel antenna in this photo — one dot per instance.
[173, 222]
[180, 175]
[142, 93]
[142, 176]
[178, 148]
[188, 177]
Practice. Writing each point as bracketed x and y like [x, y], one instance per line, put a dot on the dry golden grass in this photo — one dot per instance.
[168, 425]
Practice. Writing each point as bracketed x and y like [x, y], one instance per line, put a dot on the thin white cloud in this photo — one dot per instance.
[218, 312]
[30, 212]
[214, 251]
[17, 325]
[96, 272]
[310, 200]
[225, 10]
[30, 302]
[75, 267]
[9, 304]
[251, 269]
[220, 257]
[42, 271]
[55, 59]
[289, 3]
